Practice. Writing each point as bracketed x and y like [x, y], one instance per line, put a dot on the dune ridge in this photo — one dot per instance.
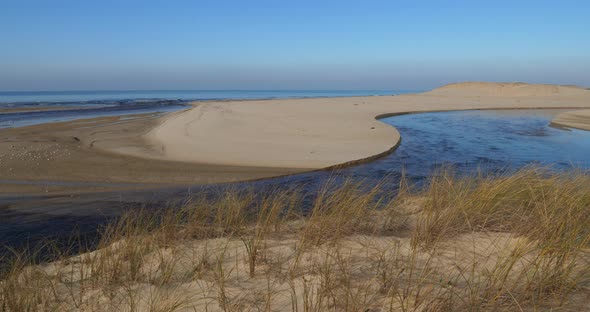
[506, 89]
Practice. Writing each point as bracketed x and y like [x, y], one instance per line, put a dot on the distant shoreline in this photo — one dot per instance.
[53, 97]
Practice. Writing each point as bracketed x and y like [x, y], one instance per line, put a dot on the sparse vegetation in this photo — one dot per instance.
[481, 243]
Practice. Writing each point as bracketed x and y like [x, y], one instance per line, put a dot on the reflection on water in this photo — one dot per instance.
[492, 140]
[470, 140]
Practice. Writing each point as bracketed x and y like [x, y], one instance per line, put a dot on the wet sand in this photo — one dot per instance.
[66, 153]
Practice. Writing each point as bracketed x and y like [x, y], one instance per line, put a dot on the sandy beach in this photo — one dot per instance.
[66, 152]
[323, 132]
[241, 140]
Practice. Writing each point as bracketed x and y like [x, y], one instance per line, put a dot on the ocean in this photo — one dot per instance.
[16, 97]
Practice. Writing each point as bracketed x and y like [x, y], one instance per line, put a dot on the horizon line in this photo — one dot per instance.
[199, 90]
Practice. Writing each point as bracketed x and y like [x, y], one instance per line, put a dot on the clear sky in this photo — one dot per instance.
[301, 44]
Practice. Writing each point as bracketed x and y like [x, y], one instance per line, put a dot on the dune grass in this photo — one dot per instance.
[515, 242]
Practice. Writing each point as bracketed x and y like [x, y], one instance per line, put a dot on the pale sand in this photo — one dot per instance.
[579, 119]
[193, 283]
[323, 132]
[65, 152]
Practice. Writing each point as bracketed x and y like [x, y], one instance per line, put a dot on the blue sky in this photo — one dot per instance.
[304, 44]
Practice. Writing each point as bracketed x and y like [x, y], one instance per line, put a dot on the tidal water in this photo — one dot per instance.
[470, 141]
[486, 140]
[74, 111]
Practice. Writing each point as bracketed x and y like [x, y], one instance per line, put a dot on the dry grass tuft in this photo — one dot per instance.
[481, 243]
[532, 202]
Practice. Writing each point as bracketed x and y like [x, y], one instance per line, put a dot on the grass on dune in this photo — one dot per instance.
[481, 243]
[532, 203]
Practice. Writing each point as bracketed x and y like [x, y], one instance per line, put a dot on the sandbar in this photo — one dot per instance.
[324, 132]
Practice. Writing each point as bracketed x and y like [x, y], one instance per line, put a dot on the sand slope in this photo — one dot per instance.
[324, 132]
[579, 119]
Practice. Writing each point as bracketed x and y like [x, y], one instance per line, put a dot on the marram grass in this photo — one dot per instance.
[514, 242]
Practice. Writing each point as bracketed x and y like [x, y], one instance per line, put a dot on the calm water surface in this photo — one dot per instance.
[486, 140]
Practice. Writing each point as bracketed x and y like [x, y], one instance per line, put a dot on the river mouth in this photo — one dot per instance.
[481, 140]
[470, 141]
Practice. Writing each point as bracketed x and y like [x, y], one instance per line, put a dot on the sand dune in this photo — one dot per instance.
[506, 89]
[324, 132]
